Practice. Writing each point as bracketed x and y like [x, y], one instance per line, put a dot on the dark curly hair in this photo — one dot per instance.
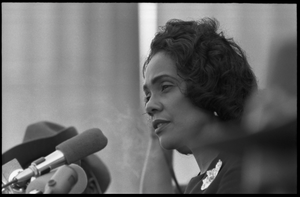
[218, 75]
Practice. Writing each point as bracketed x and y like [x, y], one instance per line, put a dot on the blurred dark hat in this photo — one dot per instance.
[40, 140]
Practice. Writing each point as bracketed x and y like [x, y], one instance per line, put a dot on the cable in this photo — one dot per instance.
[9, 183]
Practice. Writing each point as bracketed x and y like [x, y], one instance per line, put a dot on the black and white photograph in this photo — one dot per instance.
[149, 98]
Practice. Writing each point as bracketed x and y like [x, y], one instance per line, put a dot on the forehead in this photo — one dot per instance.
[160, 64]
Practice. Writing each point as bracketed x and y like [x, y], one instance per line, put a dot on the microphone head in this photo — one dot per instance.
[82, 145]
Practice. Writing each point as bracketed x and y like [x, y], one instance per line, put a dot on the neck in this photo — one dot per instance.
[204, 158]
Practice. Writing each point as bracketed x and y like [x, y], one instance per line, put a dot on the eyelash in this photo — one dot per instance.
[163, 87]
[146, 99]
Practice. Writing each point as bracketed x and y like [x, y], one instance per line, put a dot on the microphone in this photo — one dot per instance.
[9, 171]
[67, 152]
[67, 179]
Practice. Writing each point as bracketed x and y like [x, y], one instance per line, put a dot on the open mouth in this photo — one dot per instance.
[159, 123]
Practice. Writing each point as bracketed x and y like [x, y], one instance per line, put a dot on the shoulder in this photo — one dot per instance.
[227, 180]
[230, 176]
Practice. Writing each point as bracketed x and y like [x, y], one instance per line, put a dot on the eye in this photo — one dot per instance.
[147, 98]
[165, 87]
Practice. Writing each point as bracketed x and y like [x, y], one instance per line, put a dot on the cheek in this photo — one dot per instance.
[192, 119]
[186, 110]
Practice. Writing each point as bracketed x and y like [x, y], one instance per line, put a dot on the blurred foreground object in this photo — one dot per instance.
[268, 142]
[271, 119]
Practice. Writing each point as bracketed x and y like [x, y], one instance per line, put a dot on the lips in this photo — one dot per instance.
[159, 124]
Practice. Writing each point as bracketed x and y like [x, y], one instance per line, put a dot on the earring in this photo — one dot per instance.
[215, 113]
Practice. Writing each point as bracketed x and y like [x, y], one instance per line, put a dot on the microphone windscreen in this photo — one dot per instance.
[82, 145]
[82, 180]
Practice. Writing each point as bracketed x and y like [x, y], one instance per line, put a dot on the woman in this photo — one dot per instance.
[195, 80]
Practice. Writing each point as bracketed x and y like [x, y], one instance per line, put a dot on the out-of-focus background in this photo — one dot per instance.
[79, 64]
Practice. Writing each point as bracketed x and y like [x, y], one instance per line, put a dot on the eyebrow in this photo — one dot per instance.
[159, 78]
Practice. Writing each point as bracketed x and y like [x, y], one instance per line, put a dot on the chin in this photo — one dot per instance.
[184, 150]
[168, 144]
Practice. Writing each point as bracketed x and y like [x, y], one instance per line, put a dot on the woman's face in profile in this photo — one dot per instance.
[176, 121]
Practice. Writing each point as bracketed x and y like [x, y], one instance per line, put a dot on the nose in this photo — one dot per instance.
[153, 106]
